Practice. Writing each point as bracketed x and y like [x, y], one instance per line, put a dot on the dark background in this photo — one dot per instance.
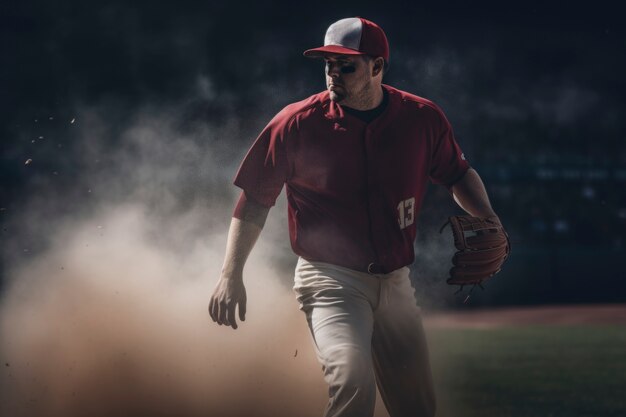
[535, 93]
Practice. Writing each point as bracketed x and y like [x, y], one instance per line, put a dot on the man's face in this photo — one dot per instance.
[346, 76]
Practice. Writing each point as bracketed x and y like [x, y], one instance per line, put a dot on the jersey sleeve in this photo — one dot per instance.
[448, 163]
[265, 167]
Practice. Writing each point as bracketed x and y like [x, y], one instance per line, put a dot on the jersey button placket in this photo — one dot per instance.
[377, 235]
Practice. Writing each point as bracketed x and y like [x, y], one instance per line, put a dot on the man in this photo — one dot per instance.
[356, 160]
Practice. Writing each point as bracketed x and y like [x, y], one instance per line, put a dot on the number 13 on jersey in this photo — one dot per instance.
[406, 212]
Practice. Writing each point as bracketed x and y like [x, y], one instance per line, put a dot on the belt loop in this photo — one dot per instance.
[374, 269]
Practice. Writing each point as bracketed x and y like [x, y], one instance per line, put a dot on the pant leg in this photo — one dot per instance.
[400, 350]
[339, 312]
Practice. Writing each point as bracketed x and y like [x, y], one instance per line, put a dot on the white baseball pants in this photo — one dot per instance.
[367, 331]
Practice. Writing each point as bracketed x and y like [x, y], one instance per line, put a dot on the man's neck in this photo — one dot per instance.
[370, 98]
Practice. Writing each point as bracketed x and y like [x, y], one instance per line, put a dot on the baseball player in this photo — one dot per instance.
[355, 160]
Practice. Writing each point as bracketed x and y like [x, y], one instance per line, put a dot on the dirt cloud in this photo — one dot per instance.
[106, 323]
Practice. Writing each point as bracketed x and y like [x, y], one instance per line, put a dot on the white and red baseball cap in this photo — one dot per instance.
[353, 36]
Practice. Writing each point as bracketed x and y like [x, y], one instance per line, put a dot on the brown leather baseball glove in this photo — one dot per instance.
[482, 245]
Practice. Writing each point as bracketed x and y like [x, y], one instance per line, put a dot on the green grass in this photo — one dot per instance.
[530, 371]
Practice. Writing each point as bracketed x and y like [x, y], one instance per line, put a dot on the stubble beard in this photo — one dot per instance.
[337, 97]
[354, 100]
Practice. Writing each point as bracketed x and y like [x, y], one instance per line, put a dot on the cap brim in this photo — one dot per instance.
[331, 49]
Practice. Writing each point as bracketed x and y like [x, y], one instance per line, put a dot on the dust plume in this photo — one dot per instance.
[106, 323]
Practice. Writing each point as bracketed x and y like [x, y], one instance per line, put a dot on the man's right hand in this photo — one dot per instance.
[227, 294]
[230, 290]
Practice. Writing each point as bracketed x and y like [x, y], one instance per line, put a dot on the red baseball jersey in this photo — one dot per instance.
[354, 189]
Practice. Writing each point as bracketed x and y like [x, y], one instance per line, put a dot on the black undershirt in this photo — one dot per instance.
[369, 115]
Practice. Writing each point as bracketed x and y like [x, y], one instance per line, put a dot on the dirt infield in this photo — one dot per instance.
[540, 315]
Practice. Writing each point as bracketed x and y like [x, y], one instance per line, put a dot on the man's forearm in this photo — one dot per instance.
[242, 236]
[470, 193]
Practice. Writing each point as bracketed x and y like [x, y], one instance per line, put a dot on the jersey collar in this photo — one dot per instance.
[334, 111]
